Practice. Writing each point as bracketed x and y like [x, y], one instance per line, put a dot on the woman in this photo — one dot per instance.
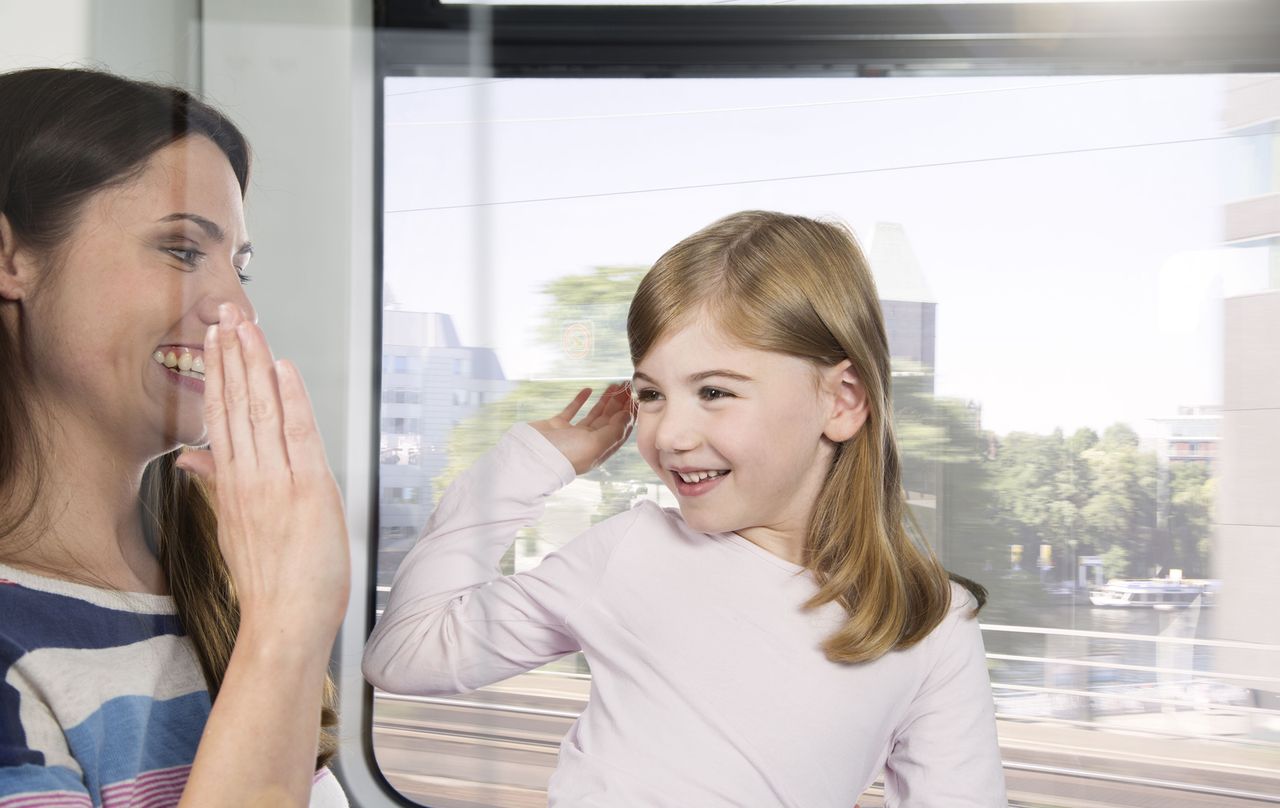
[151, 652]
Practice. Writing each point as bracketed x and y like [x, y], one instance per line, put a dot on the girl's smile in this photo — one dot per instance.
[695, 482]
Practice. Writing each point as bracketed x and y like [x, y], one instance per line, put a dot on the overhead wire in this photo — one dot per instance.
[825, 174]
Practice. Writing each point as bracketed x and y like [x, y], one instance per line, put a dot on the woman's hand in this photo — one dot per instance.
[595, 437]
[280, 521]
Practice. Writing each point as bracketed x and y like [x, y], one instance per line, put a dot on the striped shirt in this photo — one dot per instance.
[102, 700]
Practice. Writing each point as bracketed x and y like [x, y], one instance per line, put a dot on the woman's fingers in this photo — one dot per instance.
[198, 462]
[215, 410]
[235, 388]
[301, 438]
[263, 398]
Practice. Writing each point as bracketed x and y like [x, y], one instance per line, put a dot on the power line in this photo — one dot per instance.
[718, 110]
[850, 173]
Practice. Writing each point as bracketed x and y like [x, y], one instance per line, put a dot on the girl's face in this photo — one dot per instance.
[132, 291]
[737, 433]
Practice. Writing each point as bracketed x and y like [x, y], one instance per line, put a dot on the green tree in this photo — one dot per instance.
[1191, 495]
[1121, 513]
[948, 475]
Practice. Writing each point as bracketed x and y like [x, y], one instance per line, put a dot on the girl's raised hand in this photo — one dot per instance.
[598, 434]
[280, 520]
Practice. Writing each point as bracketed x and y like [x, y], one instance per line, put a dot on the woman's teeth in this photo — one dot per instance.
[698, 476]
[184, 363]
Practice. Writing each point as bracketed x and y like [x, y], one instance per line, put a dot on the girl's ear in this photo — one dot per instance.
[15, 276]
[848, 402]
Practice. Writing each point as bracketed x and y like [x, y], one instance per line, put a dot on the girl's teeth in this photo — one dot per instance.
[184, 362]
[197, 364]
[697, 476]
[171, 360]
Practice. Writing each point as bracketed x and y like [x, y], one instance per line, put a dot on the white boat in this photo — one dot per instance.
[1157, 593]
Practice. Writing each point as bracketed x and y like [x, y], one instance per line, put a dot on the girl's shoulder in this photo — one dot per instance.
[963, 602]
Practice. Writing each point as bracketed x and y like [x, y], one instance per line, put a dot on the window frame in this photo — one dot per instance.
[426, 38]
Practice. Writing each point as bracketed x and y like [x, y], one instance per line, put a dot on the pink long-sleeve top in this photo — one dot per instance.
[709, 686]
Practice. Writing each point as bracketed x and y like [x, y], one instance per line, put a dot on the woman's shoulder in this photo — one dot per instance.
[46, 612]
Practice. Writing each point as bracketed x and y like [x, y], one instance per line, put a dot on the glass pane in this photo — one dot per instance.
[1079, 278]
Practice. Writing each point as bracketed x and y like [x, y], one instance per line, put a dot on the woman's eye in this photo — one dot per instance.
[714, 393]
[647, 395]
[188, 256]
[245, 277]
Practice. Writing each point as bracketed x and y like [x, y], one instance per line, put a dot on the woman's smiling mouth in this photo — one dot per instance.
[181, 360]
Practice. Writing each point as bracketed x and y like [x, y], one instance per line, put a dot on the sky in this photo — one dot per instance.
[1069, 228]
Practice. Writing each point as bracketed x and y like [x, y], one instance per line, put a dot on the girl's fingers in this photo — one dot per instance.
[264, 399]
[615, 397]
[301, 438]
[235, 388]
[576, 404]
[592, 414]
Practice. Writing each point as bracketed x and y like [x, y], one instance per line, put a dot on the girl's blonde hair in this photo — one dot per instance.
[801, 287]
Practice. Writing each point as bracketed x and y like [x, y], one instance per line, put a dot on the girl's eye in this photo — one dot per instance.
[714, 393]
[647, 394]
[245, 277]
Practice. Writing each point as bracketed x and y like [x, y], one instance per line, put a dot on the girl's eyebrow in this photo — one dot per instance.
[728, 374]
[701, 375]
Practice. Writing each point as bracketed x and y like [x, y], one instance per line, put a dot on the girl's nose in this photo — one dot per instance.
[675, 434]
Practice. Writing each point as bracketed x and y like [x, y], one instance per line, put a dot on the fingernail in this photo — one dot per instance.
[210, 335]
[242, 330]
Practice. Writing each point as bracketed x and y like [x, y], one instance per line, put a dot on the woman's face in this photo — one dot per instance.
[132, 291]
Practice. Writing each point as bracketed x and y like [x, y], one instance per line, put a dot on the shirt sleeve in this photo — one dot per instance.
[36, 769]
[945, 751]
[453, 622]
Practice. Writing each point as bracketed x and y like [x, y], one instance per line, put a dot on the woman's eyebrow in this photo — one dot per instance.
[211, 229]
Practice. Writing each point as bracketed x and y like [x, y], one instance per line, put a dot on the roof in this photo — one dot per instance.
[893, 263]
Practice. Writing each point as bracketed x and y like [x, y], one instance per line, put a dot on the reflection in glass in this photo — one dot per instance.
[1080, 283]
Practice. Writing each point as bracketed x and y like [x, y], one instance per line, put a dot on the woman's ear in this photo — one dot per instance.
[848, 402]
[14, 277]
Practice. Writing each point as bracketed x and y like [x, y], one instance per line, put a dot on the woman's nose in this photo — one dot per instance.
[224, 292]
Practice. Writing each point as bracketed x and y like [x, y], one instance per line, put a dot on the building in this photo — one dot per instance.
[1246, 550]
[1191, 436]
[430, 382]
[908, 305]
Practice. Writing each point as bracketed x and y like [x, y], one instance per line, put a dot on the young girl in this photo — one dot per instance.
[780, 638]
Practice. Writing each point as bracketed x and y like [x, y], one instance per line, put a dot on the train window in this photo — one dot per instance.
[1080, 273]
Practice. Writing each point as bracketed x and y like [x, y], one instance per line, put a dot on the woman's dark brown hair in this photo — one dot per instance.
[64, 136]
